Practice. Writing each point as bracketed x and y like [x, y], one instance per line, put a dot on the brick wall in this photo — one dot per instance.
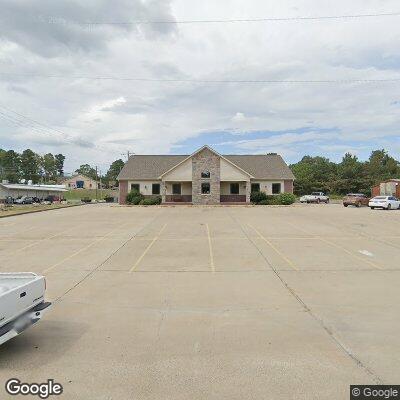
[206, 160]
[288, 186]
[123, 191]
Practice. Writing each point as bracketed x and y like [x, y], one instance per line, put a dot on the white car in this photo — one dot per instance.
[384, 202]
[315, 197]
[22, 302]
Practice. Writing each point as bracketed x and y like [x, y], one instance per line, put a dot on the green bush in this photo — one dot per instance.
[285, 199]
[134, 197]
[109, 199]
[257, 197]
[264, 203]
[151, 201]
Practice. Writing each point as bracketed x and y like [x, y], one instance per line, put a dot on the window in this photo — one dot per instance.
[205, 174]
[135, 186]
[276, 188]
[155, 188]
[255, 188]
[234, 188]
[176, 188]
[205, 188]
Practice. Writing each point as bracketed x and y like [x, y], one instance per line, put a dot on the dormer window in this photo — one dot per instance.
[205, 174]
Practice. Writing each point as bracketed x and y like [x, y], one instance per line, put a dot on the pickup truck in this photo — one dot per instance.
[21, 302]
[315, 197]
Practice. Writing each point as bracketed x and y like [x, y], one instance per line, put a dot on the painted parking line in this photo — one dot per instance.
[363, 259]
[274, 247]
[212, 264]
[147, 249]
[42, 240]
[84, 248]
[338, 246]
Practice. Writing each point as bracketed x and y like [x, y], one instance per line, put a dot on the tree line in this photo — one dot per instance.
[312, 173]
[30, 166]
[48, 168]
[349, 175]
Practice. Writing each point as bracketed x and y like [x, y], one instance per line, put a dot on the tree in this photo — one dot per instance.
[30, 166]
[2, 171]
[11, 165]
[59, 160]
[49, 167]
[114, 170]
[350, 176]
[87, 170]
[313, 174]
[381, 166]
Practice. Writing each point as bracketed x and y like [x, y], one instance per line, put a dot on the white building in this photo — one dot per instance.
[16, 190]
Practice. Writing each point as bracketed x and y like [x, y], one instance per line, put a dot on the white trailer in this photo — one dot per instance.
[22, 302]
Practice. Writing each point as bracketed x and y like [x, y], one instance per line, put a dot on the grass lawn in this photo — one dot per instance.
[79, 194]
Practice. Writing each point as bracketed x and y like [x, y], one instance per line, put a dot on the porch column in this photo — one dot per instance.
[163, 191]
[248, 191]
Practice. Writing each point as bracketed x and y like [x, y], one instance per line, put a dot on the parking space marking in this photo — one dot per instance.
[212, 265]
[147, 249]
[84, 248]
[273, 247]
[42, 240]
[338, 246]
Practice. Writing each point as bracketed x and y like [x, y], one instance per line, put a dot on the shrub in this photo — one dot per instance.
[134, 197]
[263, 203]
[86, 200]
[257, 197]
[109, 199]
[151, 201]
[285, 198]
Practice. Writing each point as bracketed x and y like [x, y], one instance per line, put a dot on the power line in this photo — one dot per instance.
[23, 121]
[233, 20]
[243, 81]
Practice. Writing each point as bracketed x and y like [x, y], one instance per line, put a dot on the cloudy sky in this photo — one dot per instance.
[52, 54]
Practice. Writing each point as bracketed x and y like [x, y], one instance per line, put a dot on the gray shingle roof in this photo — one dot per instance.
[148, 167]
[270, 166]
[262, 166]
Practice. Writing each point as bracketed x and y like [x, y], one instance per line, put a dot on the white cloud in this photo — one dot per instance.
[150, 117]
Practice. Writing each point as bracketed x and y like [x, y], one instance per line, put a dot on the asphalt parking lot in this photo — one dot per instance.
[208, 302]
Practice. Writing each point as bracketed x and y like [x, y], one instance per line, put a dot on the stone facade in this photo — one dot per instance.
[248, 191]
[206, 160]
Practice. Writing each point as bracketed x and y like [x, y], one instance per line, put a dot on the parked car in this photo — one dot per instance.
[8, 200]
[355, 199]
[21, 302]
[384, 202]
[36, 199]
[24, 200]
[315, 197]
[49, 199]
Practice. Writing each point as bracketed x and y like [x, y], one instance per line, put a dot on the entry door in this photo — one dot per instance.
[176, 188]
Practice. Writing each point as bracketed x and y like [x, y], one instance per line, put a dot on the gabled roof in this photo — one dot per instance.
[152, 167]
[213, 151]
[263, 166]
[74, 176]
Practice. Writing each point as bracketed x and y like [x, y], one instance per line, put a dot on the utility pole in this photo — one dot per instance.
[96, 184]
[128, 153]
[101, 187]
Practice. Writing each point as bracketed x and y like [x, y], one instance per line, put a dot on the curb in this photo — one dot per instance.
[37, 211]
